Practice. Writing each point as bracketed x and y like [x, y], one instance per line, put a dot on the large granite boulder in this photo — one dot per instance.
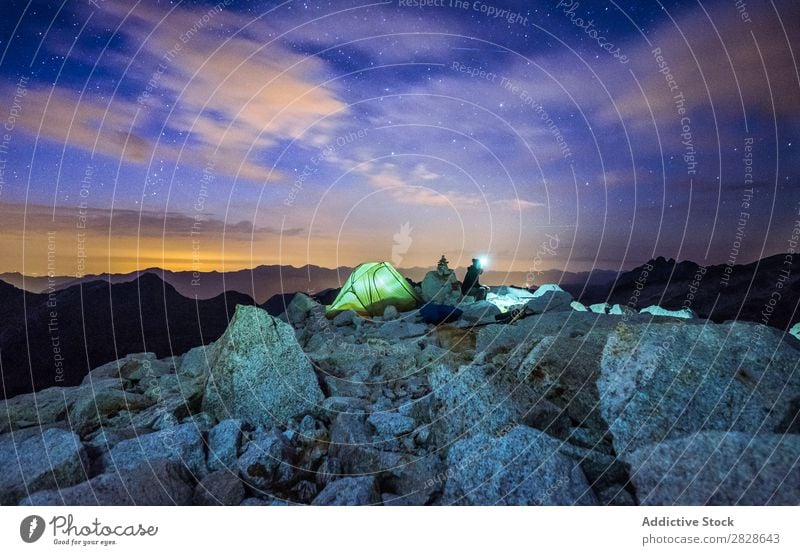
[718, 468]
[669, 380]
[260, 373]
[34, 460]
[467, 401]
[522, 467]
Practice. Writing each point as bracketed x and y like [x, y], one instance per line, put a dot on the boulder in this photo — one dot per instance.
[391, 424]
[153, 483]
[466, 402]
[334, 405]
[441, 289]
[299, 307]
[718, 468]
[44, 407]
[267, 461]
[219, 488]
[575, 305]
[182, 444]
[133, 367]
[224, 442]
[260, 373]
[522, 467]
[480, 311]
[549, 298]
[390, 313]
[669, 380]
[197, 362]
[361, 490]
[36, 461]
[413, 481]
[94, 406]
[345, 318]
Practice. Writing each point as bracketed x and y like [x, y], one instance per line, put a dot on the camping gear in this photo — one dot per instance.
[371, 288]
[433, 313]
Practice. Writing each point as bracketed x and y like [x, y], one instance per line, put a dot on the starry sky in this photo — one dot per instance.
[539, 134]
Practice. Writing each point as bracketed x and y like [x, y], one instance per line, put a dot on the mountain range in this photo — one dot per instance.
[263, 282]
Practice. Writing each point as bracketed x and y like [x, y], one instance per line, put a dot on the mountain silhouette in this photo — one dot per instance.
[89, 324]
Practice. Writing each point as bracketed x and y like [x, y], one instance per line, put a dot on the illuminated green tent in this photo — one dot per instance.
[371, 288]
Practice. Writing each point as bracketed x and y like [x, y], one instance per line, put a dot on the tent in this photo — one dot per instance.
[371, 288]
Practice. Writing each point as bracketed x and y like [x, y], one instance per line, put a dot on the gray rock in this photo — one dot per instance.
[41, 408]
[666, 381]
[202, 420]
[267, 461]
[390, 313]
[174, 386]
[182, 444]
[260, 372]
[95, 406]
[362, 490]
[718, 468]
[299, 308]
[479, 311]
[414, 480]
[335, 405]
[156, 483]
[617, 496]
[345, 318]
[523, 467]
[399, 329]
[391, 424]
[133, 367]
[219, 488]
[35, 461]
[197, 362]
[224, 442]
[466, 402]
[549, 298]
[441, 289]
[347, 388]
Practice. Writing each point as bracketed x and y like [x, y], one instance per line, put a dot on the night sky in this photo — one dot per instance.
[576, 135]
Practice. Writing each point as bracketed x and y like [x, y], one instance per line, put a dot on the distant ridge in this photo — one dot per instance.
[89, 324]
[264, 282]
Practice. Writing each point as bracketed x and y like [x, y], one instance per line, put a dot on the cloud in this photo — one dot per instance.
[125, 222]
[235, 97]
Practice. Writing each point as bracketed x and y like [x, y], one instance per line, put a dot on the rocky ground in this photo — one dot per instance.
[564, 407]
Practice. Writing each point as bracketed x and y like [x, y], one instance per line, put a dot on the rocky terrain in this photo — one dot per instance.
[563, 407]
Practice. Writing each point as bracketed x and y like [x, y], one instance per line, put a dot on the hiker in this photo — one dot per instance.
[471, 285]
